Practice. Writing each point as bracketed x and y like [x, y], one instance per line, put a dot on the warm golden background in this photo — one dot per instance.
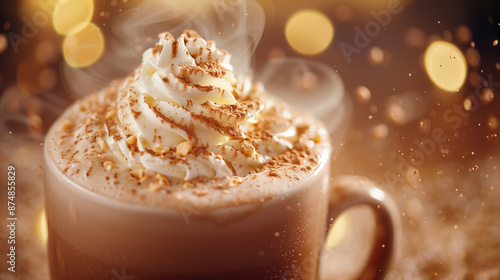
[421, 112]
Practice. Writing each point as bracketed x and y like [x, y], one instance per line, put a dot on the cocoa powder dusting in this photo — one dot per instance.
[135, 114]
[234, 132]
[175, 45]
[157, 49]
[189, 130]
[190, 33]
[88, 171]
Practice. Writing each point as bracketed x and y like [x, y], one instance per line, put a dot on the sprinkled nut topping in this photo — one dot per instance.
[108, 165]
[100, 133]
[131, 140]
[102, 144]
[273, 173]
[248, 148]
[110, 114]
[162, 179]
[188, 185]
[317, 138]
[155, 186]
[143, 179]
[184, 148]
[66, 125]
[138, 173]
[161, 150]
[59, 142]
[234, 181]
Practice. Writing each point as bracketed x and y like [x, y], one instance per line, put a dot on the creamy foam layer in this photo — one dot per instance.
[183, 128]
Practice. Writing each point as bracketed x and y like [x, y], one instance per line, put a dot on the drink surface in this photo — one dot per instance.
[183, 128]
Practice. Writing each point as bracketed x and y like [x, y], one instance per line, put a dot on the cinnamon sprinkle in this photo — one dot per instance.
[175, 45]
[233, 132]
[191, 33]
[157, 49]
[66, 125]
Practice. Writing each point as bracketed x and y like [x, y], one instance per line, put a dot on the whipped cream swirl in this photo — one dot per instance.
[186, 94]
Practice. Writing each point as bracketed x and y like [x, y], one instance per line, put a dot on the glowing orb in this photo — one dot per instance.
[83, 48]
[71, 16]
[309, 32]
[446, 65]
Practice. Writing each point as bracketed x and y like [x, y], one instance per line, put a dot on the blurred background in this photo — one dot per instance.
[410, 88]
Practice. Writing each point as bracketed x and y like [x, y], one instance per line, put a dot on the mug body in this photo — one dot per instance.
[96, 237]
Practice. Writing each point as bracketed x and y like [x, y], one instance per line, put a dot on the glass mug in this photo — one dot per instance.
[95, 237]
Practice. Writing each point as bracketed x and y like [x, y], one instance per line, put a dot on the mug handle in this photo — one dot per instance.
[351, 190]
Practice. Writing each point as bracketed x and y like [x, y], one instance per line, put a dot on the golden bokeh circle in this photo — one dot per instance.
[85, 47]
[445, 65]
[72, 16]
[309, 32]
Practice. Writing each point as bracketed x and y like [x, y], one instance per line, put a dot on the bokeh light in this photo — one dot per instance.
[363, 94]
[22, 156]
[343, 12]
[309, 32]
[415, 38]
[446, 65]
[492, 122]
[463, 34]
[85, 47]
[3, 42]
[376, 56]
[72, 16]
[27, 76]
[47, 51]
[473, 57]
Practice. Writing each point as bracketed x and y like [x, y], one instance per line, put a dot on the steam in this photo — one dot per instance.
[310, 85]
[22, 117]
[235, 25]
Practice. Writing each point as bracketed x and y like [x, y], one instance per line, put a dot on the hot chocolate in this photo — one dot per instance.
[184, 170]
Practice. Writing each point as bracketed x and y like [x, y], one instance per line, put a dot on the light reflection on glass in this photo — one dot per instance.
[337, 231]
[42, 228]
[377, 194]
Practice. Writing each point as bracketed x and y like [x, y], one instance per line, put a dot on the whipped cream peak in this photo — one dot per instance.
[189, 49]
[188, 68]
[184, 114]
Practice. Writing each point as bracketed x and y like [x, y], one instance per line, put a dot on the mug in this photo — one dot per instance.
[96, 237]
